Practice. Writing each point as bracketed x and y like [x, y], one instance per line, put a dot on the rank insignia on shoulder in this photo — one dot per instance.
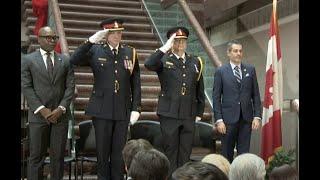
[102, 59]
[195, 66]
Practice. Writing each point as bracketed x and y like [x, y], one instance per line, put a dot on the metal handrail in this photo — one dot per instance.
[200, 33]
[59, 26]
[151, 19]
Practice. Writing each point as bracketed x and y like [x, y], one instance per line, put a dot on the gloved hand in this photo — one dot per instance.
[134, 117]
[198, 118]
[98, 36]
[168, 45]
[55, 115]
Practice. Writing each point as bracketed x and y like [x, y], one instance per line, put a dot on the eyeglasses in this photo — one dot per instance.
[50, 38]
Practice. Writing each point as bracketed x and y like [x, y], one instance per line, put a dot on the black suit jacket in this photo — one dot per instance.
[39, 89]
[174, 76]
[229, 97]
[124, 68]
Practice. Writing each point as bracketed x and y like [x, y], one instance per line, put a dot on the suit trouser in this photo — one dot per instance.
[111, 136]
[43, 135]
[239, 135]
[177, 139]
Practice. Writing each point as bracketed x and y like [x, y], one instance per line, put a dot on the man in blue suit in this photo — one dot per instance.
[236, 102]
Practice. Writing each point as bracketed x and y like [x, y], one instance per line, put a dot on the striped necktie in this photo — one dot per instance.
[49, 65]
[237, 74]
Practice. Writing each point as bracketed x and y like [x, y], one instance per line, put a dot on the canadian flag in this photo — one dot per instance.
[272, 106]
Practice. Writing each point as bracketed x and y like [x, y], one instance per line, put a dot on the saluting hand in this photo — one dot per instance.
[98, 36]
[168, 45]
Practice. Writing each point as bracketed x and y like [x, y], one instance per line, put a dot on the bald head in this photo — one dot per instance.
[47, 38]
[45, 30]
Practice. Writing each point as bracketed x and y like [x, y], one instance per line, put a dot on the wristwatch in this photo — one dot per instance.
[63, 109]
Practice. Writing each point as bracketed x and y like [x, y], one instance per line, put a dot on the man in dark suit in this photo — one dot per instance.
[182, 99]
[116, 95]
[236, 102]
[47, 81]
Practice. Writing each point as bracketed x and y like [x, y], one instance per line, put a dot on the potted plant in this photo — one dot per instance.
[280, 158]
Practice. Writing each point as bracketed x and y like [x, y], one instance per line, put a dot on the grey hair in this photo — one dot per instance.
[247, 167]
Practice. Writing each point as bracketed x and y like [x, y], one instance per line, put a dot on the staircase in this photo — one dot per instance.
[81, 19]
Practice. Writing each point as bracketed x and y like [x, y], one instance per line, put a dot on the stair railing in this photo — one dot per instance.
[152, 22]
[56, 22]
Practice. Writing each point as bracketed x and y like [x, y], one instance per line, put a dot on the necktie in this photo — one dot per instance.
[114, 52]
[49, 65]
[237, 74]
[182, 60]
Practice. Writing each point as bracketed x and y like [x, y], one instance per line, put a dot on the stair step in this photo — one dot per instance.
[112, 3]
[71, 6]
[88, 32]
[75, 23]
[134, 43]
[33, 47]
[100, 16]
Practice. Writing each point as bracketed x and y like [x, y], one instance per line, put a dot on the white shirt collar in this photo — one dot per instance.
[43, 52]
[44, 56]
[233, 66]
[117, 47]
[183, 56]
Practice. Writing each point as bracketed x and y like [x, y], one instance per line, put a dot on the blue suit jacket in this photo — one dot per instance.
[230, 97]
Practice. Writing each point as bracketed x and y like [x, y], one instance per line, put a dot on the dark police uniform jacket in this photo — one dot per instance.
[117, 88]
[182, 90]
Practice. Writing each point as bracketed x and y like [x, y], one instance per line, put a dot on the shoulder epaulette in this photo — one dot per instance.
[201, 67]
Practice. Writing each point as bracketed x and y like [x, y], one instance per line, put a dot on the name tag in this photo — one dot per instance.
[102, 59]
[169, 63]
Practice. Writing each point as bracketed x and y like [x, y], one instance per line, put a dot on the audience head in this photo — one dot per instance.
[247, 167]
[284, 172]
[219, 161]
[149, 165]
[132, 147]
[199, 171]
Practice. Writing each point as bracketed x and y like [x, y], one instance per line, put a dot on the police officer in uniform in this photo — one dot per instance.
[116, 95]
[182, 99]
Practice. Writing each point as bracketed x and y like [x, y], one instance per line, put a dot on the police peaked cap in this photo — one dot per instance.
[113, 24]
[181, 32]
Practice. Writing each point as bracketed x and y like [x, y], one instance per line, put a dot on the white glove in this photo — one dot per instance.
[98, 36]
[198, 118]
[134, 117]
[166, 47]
